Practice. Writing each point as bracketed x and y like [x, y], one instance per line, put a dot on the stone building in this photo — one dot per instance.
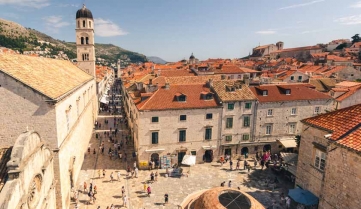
[30, 171]
[58, 100]
[329, 158]
[175, 120]
[279, 110]
[238, 107]
[300, 53]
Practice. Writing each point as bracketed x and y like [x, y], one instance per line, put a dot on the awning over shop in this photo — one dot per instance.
[104, 99]
[289, 157]
[209, 147]
[288, 143]
[155, 150]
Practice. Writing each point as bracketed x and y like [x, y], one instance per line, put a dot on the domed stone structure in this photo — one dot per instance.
[221, 198]
[84, 13]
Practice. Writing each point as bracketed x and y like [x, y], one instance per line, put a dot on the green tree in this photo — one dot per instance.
[356, 38]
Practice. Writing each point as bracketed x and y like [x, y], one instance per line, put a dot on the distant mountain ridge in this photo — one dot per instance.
[156, 60]
[17, 37]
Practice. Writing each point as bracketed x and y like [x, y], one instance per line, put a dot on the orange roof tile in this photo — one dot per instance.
[276, 93]
[350, 92]
[164, 99]
[344, 124]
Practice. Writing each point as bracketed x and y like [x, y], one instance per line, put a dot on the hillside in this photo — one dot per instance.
[30, 41]
[156, 60]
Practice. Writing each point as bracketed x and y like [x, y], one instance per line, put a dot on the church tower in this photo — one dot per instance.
[85, 40]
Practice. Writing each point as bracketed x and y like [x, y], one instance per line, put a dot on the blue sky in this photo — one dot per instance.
[173, 29]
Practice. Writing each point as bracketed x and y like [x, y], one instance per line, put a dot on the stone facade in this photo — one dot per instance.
[282, 120]
[31, 175]
[168, 129]
[338, 184]
[66, 125]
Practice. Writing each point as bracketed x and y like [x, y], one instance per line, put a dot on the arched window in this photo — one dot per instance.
[86, 40]
[90, 24]
[78, 24]
[83, 23]
[82, 40]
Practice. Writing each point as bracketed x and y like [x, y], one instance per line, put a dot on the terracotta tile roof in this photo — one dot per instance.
[164, 99]
[242, 93]
[346, 84]
[175, 73]
[349, 92]
[344, 124]
[192, 79]
[276, 93]
[50, 77]
[338, 59]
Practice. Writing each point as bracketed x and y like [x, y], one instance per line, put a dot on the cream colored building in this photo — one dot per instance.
[31, 182]
[279, 110]
[58, 100]
[238, 106]
[174, 120]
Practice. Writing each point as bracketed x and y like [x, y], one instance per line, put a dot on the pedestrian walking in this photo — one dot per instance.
[149, 190]
[94, 152]
[156, 175]
[165, 199]
[135, 164]
[91, 187]
[245, 164]
[125, 201]
[222, 184]
[118, 176]
[103, 173]
[99, 174]
[111, 177]
[123, 191]
[95, 189]
[145, 187]
[229, 184]
[85, 187]
[288, 202]
[136, 172]
[152, 177]
[237, 165]
[231, 165]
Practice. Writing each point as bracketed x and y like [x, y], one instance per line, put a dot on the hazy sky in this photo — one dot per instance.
[173, 29]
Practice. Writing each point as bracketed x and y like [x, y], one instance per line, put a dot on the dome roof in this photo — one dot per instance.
[192, 56]
[84, 13]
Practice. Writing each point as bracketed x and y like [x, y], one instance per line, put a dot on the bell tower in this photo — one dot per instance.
[85, 40]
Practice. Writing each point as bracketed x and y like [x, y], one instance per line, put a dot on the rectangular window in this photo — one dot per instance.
[183, 117]
[320, 159]
[209, 116]
[245, 137]
[229, 123]
[208, 135]
[155, 137]
[229, 138]
[268, 129]
[182, 135]
[292, 128]
[246, 121]
[300, 78]
[317, 110]
[230, 106]
[294, 111]
[265, 93]
[292, 78]
[248, 105]
[155, 119]
[269, 112]
[194, 153]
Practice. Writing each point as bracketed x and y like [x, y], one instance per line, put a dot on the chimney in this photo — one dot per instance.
[167, 86]
[210, 83]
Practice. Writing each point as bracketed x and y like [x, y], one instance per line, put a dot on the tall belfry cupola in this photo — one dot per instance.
[85, 40]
